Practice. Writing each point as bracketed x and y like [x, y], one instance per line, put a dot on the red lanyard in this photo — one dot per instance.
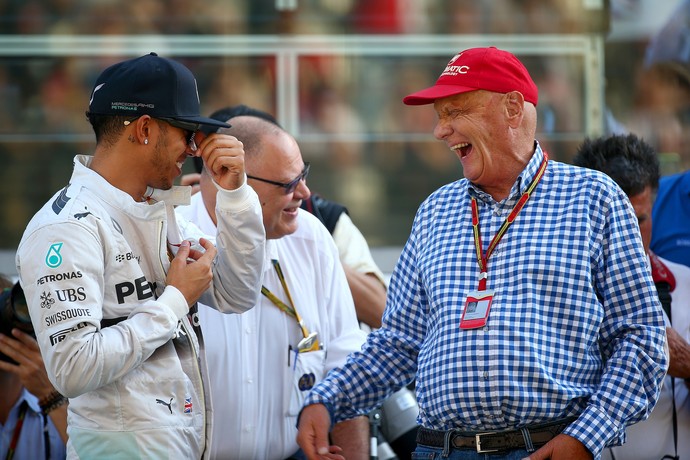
[17, 430]
[483, 259]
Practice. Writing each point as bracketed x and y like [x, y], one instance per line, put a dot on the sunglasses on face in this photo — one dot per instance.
[189, 129]
[288, 186]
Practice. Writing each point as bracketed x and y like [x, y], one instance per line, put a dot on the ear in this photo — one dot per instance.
[514, 108]
[142, 129]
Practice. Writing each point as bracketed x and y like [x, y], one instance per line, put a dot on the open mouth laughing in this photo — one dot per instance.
[462, 149]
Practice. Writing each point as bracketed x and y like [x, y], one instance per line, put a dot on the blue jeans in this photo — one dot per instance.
[299, 455]
[434, 453]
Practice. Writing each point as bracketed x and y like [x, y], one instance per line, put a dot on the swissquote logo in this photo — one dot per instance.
[452, 70]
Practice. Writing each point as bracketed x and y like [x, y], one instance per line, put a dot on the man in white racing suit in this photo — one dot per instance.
[112, 278]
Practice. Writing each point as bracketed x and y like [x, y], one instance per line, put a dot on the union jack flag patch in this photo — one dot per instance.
[187, 405]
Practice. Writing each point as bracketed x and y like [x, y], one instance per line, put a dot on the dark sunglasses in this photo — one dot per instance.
[190, 129]
[288, 186]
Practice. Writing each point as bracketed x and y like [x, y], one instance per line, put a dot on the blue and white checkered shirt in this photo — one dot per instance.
[575, 326]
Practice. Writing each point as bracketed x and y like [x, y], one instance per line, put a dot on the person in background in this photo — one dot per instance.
[33, 415]
[671, 212]
[112, 280]
[262, 363]
[567, 344]
[367, 285]
[366, 280]
[634, 165]
[662, 118]
[672, 40]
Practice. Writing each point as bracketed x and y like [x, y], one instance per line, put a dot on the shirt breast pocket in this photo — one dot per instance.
[308, 370]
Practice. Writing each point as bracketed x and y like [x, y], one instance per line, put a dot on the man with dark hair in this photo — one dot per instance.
[634, 165]
[112, 278]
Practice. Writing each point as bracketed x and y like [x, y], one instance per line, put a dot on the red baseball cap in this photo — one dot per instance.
[489, 69]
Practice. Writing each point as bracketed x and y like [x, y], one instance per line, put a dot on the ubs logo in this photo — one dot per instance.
[71, 295]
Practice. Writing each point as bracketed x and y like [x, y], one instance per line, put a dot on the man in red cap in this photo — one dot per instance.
[522, 302]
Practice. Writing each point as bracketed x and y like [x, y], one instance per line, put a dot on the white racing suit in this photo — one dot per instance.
[115, 339]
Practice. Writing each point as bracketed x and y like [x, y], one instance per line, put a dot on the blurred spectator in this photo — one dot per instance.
[661, 112]
[33, 415]
[672, 42]
[671, 234]
[378, 17]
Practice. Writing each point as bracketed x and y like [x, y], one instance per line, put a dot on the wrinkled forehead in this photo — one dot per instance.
[466, 100]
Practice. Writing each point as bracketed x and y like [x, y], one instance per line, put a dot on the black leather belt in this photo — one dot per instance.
[528, 438]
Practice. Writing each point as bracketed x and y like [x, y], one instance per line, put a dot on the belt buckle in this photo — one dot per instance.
[478, 442]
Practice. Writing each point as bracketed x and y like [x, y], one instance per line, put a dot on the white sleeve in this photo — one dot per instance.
[241, 244]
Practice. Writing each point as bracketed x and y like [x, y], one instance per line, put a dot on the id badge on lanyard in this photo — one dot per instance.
[478, 303]
[477, 307]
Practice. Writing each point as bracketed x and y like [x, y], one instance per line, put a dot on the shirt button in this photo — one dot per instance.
[486, 329]
[250, 380]
[485, 376]
[248, 330]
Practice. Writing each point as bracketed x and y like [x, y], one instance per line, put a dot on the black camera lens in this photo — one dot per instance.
[14, 311]
[19, 305]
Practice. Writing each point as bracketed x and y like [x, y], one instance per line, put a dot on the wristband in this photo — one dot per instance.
[51, 402]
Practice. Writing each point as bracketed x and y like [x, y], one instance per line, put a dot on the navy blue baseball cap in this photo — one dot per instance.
[149, 85]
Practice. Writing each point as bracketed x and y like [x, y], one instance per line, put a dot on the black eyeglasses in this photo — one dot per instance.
[288, 186]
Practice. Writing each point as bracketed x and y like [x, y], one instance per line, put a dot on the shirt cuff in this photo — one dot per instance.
[595, 430]
[175, 300]
[244, 182]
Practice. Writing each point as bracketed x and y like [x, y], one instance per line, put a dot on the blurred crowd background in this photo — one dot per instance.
[334, 72]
